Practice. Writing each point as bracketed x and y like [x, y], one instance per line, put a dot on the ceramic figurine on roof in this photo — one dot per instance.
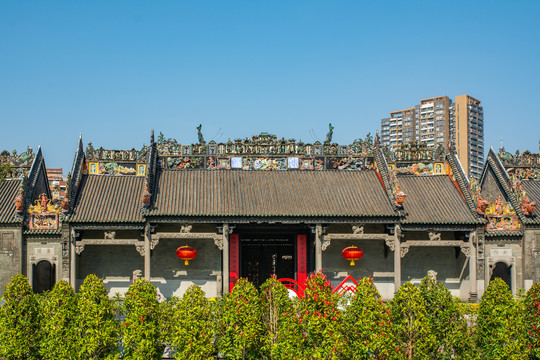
[19, 200]
[329, 135]
[417, 159]
[200, 135]
[15, 165]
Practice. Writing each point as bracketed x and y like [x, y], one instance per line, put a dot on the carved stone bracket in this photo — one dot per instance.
[398, 232]
[466, 248]
[318, 229]
[391, 244]
[79, 245]
[358, 236]
[229, 228]
[218, 238]
[325, 244]
[358, 229]
[441, 243]
[433, 236]
[404, 251]
[140, 249]
[79, 249]
[218, 241]
[186, 228]
[110, 235]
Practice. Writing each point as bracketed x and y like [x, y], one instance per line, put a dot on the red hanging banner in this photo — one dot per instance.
[234, 260]
[301, 259]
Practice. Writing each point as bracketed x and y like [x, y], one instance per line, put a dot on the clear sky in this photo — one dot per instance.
[113, 70]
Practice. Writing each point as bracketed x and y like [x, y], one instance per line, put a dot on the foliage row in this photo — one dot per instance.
[421, 322]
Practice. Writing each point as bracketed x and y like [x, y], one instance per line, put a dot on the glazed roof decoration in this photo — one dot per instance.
[262, 152]
[521, 167]
[15, 165]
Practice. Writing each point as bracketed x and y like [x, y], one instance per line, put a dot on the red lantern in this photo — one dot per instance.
[352, 253]
[186, 253]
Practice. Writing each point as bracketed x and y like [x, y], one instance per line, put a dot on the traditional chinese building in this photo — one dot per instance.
[265, 206]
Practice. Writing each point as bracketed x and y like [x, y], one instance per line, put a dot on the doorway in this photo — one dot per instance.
[502, 271]
[263, 258]
[43, 276]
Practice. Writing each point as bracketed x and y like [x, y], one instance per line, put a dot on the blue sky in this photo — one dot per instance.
[113, 70]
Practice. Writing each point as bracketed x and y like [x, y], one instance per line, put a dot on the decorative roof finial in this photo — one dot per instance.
[152, 137]
[19, 201]
[400, 197]
[329, 135]
[200, 135]
[146, 195]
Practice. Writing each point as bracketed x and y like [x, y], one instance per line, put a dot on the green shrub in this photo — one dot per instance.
[19, 321]
[97, 329]
[321, 319]
[192, 329]
[59, 338]
[499, 328]
[283, 337]
[366, 328]
[240, 328]
[140, 330]
[452, 336]
[410, 323]
[532, 319]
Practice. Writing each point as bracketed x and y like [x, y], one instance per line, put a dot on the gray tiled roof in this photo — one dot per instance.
[434, 200]
[532, 188]
[8, 193]
[271, 194]
[105, 198]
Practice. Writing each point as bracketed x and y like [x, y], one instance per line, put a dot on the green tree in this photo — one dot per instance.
[240, 328]
[59, 338]
[192, 326]
[452, 338]
[19, 321]
[532, 319]
[367, 328]
[5, 171]
[283, 337]
[140, 330]
[321, 319]
[500, 332]
[410, 323]
[96, 327]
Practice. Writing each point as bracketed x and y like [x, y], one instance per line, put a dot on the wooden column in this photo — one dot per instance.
[147, 252]
[318, 247]
[225, 264]
[397, 258]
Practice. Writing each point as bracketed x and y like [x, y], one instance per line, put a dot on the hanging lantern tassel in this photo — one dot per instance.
[186, 253]
[352, 253]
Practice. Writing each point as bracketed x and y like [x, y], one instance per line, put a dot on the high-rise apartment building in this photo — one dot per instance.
[469, 134]
[437, 121]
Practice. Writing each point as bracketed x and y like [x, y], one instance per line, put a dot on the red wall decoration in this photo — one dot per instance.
[234, 259]
[301, 256]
